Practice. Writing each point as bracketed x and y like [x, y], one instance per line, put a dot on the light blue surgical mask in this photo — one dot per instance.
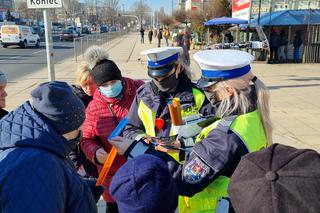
[113, 90]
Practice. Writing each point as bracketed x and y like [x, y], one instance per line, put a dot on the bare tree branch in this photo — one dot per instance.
[167, 21]
[218, 8]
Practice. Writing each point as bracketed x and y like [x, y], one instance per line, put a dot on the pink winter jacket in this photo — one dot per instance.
[99, 124]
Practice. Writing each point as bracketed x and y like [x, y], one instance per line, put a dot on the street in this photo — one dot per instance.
[18, 62]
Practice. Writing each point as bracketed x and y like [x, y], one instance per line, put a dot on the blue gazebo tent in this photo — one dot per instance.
[224, 20]
[310, 19]
[288, 18]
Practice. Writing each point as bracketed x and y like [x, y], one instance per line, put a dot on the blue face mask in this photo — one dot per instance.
[112, 91]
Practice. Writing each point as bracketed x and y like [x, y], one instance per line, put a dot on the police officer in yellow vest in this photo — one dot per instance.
[244, 127]
[149, 114]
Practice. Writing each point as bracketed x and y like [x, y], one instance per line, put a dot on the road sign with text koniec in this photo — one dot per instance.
[36, 4]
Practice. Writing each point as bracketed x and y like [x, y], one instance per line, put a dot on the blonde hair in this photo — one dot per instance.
[95, 54]
[240, 102]
[83, 74]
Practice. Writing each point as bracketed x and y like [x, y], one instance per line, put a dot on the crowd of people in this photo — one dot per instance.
[180, 39]
[283, 46]
[166, 34]
[53, 147]
[278, 46]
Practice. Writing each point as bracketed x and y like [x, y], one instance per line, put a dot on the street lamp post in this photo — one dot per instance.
[270, 12]
[171, 7]
[97, 11]
[141, 11]
[259, 13]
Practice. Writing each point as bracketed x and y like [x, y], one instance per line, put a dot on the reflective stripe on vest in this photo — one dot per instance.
[250, 130]
[148, 117]
[199, 98]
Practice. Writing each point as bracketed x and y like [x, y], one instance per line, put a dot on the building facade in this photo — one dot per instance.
[195, 5]
[181, 4]
[278, 5]
[6, 5]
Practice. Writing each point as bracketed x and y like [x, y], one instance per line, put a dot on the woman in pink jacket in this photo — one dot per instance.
[111, 102]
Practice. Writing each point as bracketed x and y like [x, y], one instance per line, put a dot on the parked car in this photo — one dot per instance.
[23, 36]
[76, 29]
[59, 29]
[104, 29]
[94, 28]
[86, 30]
[68, 35]
[113, 29]
[42, 29]
[36, 29]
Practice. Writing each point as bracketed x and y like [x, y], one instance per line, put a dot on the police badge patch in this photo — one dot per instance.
[195, 171]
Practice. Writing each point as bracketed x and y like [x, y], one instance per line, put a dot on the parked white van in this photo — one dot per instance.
[23, 36]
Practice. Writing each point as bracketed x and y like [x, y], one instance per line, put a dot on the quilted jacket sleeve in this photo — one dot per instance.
[41, 182]
[88, 144]
[36, 184]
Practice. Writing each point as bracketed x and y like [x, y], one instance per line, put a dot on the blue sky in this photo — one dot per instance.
[154, 4]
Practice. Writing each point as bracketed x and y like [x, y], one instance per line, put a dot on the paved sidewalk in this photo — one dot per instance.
[295, 89]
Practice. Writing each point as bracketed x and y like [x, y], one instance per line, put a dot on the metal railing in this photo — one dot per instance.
[80, 45]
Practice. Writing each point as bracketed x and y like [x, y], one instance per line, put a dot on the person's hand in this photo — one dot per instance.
[121, 144]
[165, 147]
[101, 155]
[96, 191]
[147, 139]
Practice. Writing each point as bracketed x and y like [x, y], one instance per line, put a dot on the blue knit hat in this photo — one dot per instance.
[57, 102]
[144, 184]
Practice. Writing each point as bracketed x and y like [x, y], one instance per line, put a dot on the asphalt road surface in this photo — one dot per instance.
[17, 62]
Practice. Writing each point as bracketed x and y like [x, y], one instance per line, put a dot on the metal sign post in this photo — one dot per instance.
[49, 45]
[45, 4]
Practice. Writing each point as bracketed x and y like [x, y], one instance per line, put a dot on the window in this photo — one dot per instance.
[9, 30]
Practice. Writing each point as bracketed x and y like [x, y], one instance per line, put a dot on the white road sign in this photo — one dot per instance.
[241, 9]
[36, 4]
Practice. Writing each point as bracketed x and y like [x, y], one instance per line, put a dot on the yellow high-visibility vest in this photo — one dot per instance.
[251, 131]
[148, 117]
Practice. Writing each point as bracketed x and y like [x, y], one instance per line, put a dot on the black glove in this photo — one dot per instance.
[97, 191]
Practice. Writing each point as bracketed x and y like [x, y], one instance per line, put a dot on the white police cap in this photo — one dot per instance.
[219, 65]
[161, 60]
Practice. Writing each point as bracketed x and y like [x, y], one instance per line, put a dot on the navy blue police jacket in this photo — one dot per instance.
[35, 174]
[157, 102]
[218, 155]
